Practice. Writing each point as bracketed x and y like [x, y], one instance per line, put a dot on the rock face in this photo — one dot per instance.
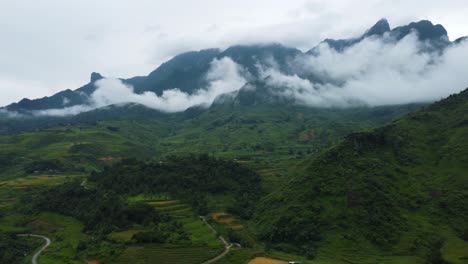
[380, 28]
[435, 35]
[460, 40]
[95, 77]
[425, 30]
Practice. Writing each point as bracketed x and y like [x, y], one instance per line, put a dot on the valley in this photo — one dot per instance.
[84, 157]
[191, 241]
[353, 151]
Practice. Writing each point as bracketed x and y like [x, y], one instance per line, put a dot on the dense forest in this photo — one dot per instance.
[102, 211]
[187, 178]
[13, 248]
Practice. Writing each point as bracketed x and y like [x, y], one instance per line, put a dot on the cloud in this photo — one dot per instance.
[224, 76]
[73, 38]
[374, 72]
[9, 114]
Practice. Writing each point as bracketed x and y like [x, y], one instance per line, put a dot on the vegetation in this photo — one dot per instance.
[92, 140]
[111, 217]
[272, 181]
[13, 248]
[167, 255]
[387, 189]
[100, 210]
[188, 178]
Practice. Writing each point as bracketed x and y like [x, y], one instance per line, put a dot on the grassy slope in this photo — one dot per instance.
[268, 133]
[261, 132]
[204, 244]
[386, 195]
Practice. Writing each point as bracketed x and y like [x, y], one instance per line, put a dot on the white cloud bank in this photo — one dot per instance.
[375, 72]
[224, 76]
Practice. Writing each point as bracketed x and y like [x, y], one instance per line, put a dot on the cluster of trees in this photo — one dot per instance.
[299, 225]
[455, 204]
[101, 211]
[187, 178]
[13, 248]
[7, 160]
[171, 232]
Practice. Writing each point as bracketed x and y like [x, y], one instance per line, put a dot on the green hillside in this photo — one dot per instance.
[395, 194]
[265, 132]
[256, 153]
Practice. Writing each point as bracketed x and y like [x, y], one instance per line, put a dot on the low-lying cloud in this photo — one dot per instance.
[224, 76]
[374, 72]
[9, 114]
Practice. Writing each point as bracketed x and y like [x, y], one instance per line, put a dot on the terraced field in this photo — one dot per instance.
[10, 189]
[199, 233]
[31, 181]
[174, 208]
[152, 253]
[7, 202]
[204, 244]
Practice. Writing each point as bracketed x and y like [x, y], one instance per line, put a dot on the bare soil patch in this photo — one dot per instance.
[266, 260]
[226, 219]
[43, 226]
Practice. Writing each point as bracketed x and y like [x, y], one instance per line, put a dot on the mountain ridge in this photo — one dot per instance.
[187, 71]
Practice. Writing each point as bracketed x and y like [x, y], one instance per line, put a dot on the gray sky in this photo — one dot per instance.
[47, 46]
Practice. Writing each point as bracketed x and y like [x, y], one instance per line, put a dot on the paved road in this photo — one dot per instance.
[227, 246]
[34, 258]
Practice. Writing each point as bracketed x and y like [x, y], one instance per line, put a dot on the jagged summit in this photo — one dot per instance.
[435, 35]
[381, 27]
[426, 30]
[95, 77]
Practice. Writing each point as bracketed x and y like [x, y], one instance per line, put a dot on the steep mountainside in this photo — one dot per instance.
[397, 190]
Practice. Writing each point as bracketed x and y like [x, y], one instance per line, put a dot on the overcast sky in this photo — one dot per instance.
[47, 46]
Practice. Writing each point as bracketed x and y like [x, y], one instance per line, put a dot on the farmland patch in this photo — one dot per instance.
[227, 220]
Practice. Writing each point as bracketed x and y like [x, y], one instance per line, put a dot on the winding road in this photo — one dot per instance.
[47, 240]
[227, 246]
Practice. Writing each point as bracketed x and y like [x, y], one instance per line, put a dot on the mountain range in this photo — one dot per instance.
[122, 181]
[187, 72]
